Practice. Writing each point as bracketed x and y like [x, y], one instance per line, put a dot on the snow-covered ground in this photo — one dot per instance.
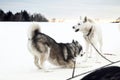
[16, 63]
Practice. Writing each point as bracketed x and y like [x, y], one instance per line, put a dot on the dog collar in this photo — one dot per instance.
[90, 30]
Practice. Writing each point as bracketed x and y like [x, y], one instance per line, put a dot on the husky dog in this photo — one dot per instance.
[119, 26]
[44, 48]
[91, 33]
[107, 73]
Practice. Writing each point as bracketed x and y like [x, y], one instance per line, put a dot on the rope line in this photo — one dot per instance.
[93, 70]
[111, 62]
[99, 52]
[73, 69]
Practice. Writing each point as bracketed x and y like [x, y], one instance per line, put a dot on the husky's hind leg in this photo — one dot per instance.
[100, 44]
[44, 58]
[36, 62]
[87, 51]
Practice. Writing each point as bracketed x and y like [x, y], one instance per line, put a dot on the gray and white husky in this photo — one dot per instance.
[44, 48]
[91, 33]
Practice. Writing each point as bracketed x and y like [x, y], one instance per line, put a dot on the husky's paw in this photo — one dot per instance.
[48, 70]
[89, 57]
[39, 67]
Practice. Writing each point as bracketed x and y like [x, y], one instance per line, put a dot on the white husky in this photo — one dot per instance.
[119, 26]
[91, 33]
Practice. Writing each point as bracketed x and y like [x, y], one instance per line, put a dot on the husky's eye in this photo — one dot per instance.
[78, 23]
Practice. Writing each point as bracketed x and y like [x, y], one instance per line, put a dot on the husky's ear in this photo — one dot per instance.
[80, 17]
[73, 41]
[76, 42]
[85, 19]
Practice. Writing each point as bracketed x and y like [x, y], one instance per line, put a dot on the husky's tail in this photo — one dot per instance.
[33, 30]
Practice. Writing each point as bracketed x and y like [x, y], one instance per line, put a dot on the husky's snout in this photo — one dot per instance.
[76, 30]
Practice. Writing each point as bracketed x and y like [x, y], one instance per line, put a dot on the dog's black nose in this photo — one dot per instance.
[81, 55]
[73, 27]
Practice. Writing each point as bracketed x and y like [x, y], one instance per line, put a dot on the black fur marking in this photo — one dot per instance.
[36, 31]
[80, 49]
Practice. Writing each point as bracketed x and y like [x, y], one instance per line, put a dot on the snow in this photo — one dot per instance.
[16, 62]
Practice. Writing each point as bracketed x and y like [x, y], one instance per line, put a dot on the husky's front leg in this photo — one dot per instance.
[87, 50]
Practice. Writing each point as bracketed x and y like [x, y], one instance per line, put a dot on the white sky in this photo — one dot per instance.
[65, 8]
